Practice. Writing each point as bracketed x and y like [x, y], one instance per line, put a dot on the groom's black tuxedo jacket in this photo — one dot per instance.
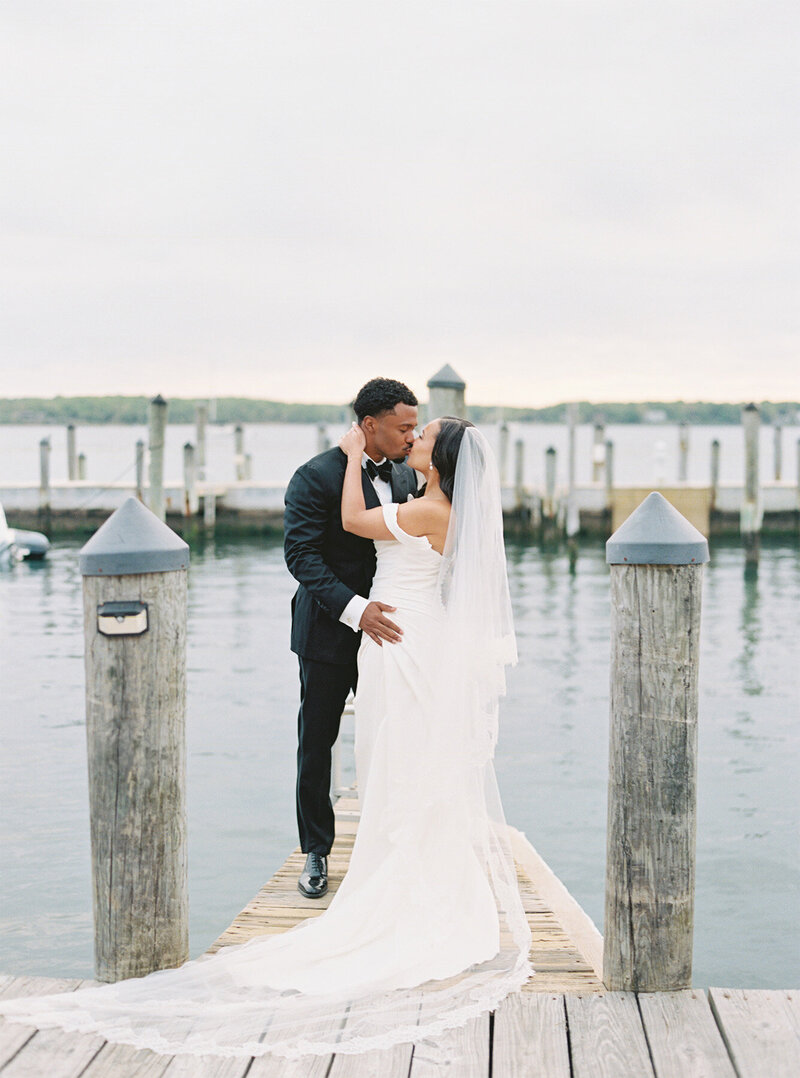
[330, 564]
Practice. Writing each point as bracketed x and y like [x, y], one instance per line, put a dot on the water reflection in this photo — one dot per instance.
[750, 633]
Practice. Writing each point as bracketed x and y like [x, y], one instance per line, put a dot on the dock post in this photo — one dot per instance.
[44, 476]
[609, 476]
[81, 466]
[72, 456]
[572, 523]
[549, 503]
[209, 510]
[248, 465]
[598, 451]
[140, 470]
[656, 560]
[503, 456]
[158, 426]
[190, 499]
[134, 572]
[519, 474]
[238, 451]
[777, 446]
[683, 451]
[323, 441]
[714, 473]
[200, 419]
[447, 394]
[752, 511]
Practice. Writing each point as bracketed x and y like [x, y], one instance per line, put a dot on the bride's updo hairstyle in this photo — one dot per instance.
[445, 451]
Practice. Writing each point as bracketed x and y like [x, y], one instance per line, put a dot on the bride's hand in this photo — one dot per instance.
[353, 442]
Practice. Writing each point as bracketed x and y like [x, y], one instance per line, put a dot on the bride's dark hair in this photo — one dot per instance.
[445, 451]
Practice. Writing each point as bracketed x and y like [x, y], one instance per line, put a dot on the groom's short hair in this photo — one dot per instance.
[381, 395]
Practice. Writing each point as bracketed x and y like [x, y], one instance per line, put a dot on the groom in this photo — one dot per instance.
[330, 610]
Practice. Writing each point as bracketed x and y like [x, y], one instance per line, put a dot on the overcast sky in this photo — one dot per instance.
[282, 199]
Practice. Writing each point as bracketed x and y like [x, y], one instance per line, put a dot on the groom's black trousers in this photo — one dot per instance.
[323, 691]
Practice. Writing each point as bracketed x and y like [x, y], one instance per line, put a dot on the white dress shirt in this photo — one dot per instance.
[353, 612]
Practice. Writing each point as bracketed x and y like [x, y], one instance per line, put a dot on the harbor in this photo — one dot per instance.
[575, 490]
[595, 1020]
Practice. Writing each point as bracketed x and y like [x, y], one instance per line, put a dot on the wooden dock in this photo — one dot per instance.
[564, 1024]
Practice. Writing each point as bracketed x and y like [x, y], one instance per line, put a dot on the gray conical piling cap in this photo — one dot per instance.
[446, 378]
[656, 534]
[133, 540]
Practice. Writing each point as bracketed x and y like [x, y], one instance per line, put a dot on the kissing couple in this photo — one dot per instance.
[405, 599]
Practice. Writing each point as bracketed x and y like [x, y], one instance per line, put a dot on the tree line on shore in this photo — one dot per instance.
[62, 410]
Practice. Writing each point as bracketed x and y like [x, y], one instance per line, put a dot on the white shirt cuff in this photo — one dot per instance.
[353, 612]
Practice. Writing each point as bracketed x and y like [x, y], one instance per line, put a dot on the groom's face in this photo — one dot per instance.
[391, 434]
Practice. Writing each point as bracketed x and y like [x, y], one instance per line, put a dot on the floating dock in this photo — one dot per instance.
[563, 1024]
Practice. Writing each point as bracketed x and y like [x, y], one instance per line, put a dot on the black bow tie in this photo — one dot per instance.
[381, 471]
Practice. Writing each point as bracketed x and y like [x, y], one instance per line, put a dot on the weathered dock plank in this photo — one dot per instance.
[13, 1037]
[206, 1067]
[19, 1043]
[760, 1030]
[268, 1066]
[530, 1037]
[463, 1052]
[606, 1036]
[54, 1053]
[388, 1063]
[122, 1061]
[683, 1036]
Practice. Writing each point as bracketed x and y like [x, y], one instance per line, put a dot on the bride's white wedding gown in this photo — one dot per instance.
[430, 898]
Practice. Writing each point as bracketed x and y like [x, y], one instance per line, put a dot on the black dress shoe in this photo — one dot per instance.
[313, 882]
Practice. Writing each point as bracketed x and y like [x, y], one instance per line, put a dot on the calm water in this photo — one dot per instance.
[551, 760]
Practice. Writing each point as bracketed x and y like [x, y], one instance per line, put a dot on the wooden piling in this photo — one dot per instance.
[446, 394]
[209, 510]
[201, 420]
[44, 475]
[715, 448]
[519, 473]
[656, 560]
[238, 451]
[598, 451]
[81, 466]
[134, 585]
[503, 456]
[72, 457]
[158, 426]
[190, 498]
[572, 521]
[549, 503]
[609, 475]
[248, 466]
[683, 451]
[751, 512]
[323, 441]
[777, 452]
[140, 470]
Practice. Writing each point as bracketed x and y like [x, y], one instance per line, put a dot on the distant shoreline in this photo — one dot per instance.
[45, 411]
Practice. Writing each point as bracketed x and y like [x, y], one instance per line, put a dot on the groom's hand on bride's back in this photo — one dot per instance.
[377, 626]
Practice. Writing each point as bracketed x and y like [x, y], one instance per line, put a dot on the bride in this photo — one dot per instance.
[427, 929]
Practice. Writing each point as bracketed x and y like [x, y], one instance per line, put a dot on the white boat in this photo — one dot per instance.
[18, 545]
